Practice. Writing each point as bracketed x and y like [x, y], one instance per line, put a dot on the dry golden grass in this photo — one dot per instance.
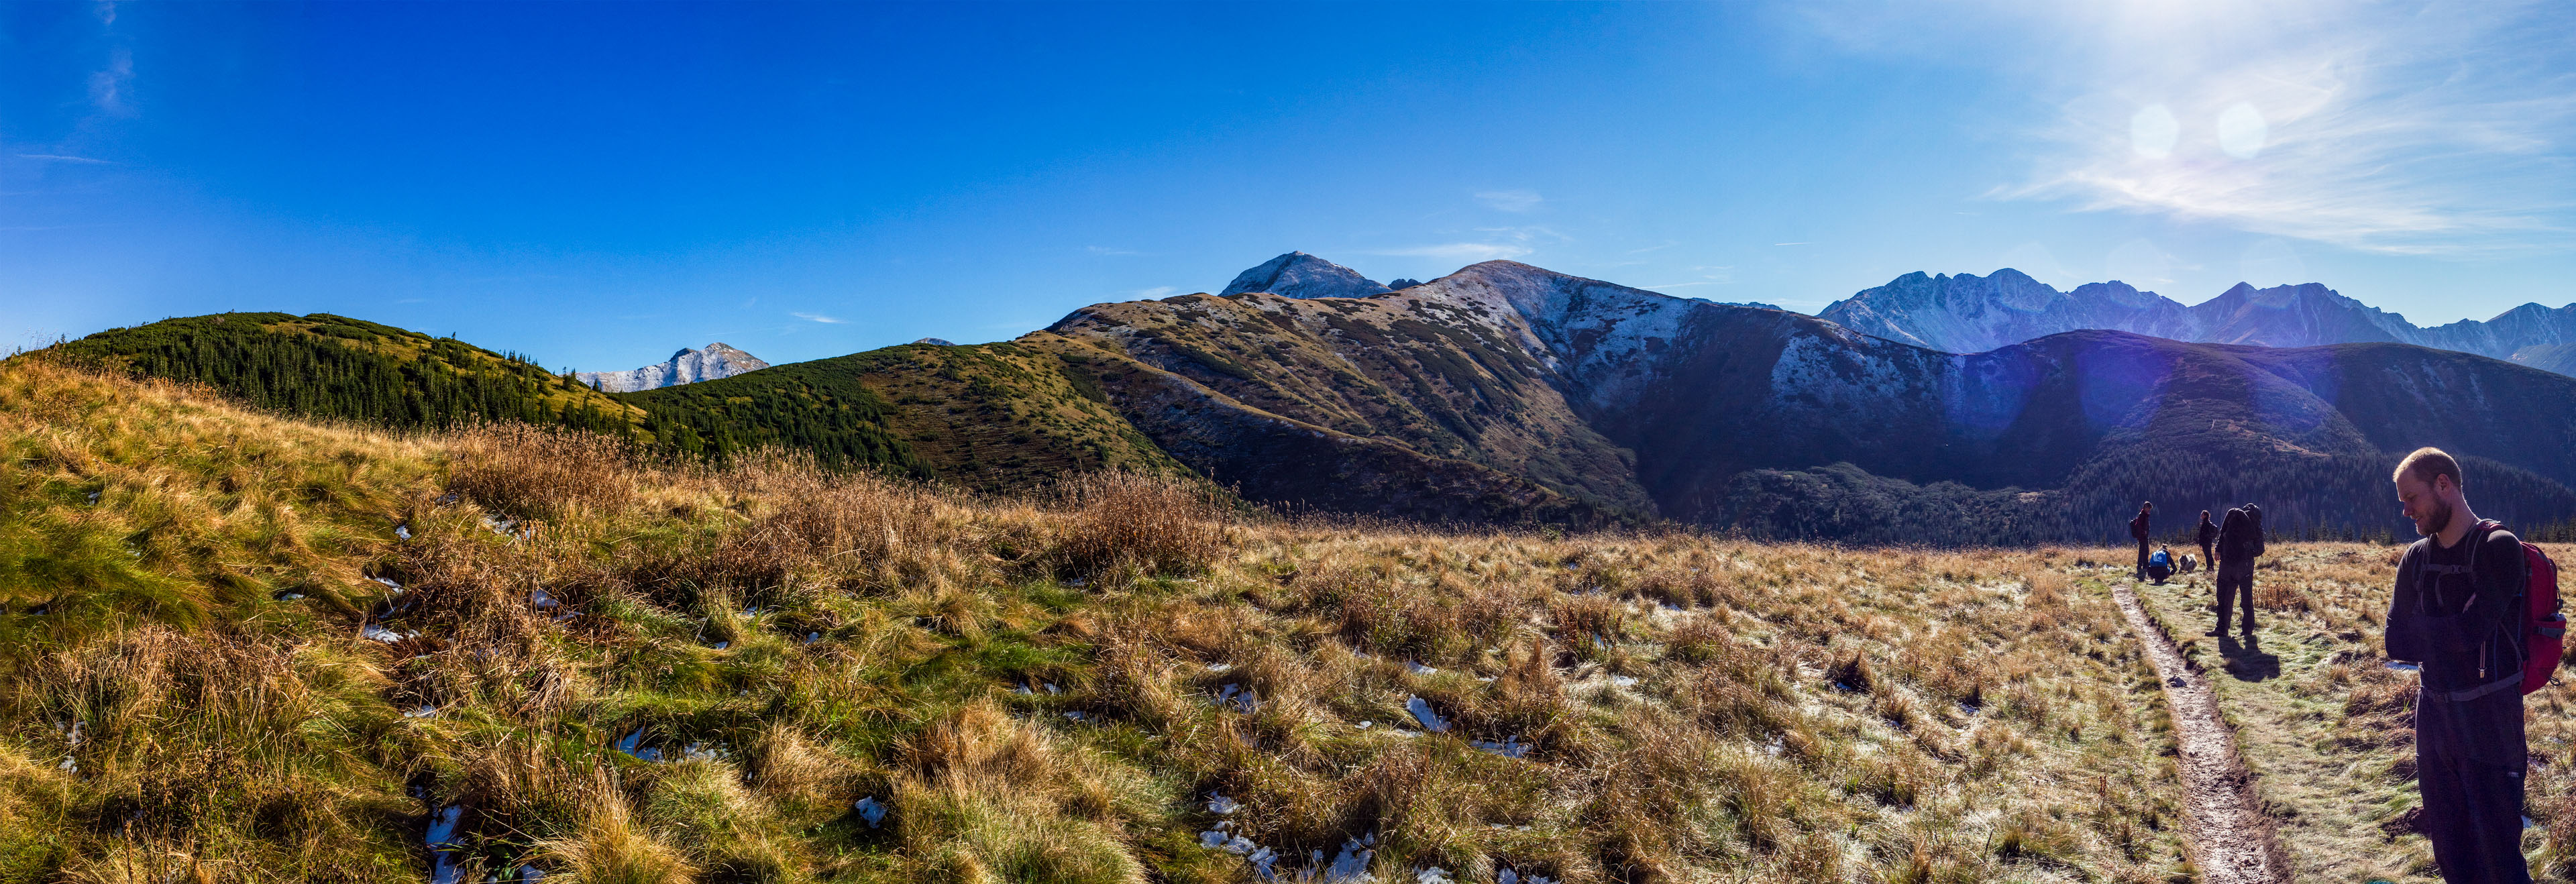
[1043, 690]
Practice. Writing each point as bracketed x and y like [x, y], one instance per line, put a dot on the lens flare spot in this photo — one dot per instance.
[2241, 131]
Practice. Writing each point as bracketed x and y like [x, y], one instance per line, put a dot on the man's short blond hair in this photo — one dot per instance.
[2427, 463]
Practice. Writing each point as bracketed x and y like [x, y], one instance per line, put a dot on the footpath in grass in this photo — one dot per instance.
[2326, 728]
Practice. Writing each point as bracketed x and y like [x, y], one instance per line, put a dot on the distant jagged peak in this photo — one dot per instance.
[688, 366]
[1300, 275]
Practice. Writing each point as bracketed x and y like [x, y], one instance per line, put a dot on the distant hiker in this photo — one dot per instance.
[2206, 534]
[2240, 540]
[2160, 565]
[2459, 610]
[2138, 531]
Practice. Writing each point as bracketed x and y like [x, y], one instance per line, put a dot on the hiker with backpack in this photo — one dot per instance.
[2477, 610]
[2138, 531]
[2206, 534]
[2160, 565]
[2239, 542]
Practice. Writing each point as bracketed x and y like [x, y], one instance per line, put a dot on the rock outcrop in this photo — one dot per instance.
[685, 367]
[1300, 275]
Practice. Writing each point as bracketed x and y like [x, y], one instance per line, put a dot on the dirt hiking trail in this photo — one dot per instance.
[2230, 840]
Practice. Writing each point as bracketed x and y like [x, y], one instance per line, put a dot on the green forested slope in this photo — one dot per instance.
[336, 367]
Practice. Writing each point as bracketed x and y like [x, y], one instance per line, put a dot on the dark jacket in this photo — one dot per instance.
[2254, 518]
[2138, 526]
[2208, 531]
[2457, 622]
[2236, 536]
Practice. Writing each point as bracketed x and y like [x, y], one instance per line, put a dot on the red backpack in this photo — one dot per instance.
[2543, 636]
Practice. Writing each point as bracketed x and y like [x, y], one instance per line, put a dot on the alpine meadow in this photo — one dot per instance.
[1284, 442]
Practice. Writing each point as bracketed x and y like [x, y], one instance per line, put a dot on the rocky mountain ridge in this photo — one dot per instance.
[1508, 393]
[688, 366]
[1971, 314]
[1300, 275]
[1509, 371]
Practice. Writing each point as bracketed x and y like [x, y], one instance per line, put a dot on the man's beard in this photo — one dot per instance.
[2440, 518]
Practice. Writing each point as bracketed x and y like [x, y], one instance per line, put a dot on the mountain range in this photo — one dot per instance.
[718, 360]
[1509, 393]
[1971, 314]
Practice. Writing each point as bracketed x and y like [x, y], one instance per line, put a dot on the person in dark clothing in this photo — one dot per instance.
[2239, 541]
[2454, 613]
[2207, 534]
[2138, 531]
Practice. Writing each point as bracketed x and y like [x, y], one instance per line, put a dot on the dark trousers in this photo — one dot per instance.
[2142, 557]
[2208, 560]
[2235, 579]
[2469, 761]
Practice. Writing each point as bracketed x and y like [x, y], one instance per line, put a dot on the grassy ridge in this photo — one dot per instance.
[992, 417]
[790, 641]
[329, 366]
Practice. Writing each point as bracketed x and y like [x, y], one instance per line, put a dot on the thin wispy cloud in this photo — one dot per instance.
[2446, 129]
[64, 158]
[1160, 291]
[1103, 250]
[817, 317]
[1510, 200]
[108, 86]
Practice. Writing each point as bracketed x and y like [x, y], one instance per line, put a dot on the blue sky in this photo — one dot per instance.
[600, 184]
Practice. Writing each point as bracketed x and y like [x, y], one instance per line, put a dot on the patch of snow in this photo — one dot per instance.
[1509, 747]
[421, 711]
[543, 601]
[1218, 804]
[871, 810]
[1418, 669]
[633, 745]
[1238, 698]
[1421, 710]
[379, 633]
[441, 839]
